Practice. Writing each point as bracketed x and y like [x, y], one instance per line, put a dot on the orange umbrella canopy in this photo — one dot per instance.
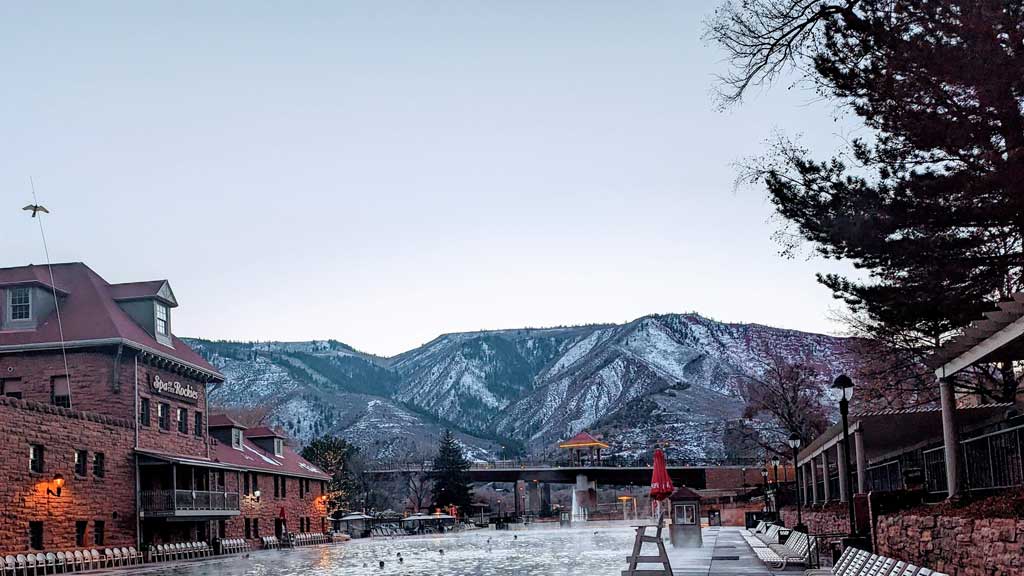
[661, 484]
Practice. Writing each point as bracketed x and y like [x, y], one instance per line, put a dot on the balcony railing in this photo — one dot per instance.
[189, 503]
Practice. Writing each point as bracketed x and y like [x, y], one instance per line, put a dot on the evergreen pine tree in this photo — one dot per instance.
[451, 475]
[335, 455]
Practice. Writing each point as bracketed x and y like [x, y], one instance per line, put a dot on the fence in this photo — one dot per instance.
[989, 461]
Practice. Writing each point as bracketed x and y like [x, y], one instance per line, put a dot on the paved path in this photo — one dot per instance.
[724, 553]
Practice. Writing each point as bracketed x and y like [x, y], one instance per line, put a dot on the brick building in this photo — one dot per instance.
[108, 439]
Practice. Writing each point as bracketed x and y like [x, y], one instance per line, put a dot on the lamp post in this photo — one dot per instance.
[845, 387]
[764, 483]
[775, 464]
[794, 443]
[744, 477]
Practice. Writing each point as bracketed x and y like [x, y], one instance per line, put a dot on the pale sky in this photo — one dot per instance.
[384, 172]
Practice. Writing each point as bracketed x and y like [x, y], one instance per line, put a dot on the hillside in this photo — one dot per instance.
[667, 377]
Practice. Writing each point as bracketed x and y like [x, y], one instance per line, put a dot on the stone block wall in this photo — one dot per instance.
[171, 441]
[831, 520]
[23, 494]
[956, 546]
[268, 508]
[93, 387]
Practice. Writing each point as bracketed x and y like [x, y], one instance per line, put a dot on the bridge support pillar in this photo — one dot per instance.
[545, 499]
[519, 489]
[533, 498]
[584, 497]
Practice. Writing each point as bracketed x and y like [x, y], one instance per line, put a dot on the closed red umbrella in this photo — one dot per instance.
[661, 483]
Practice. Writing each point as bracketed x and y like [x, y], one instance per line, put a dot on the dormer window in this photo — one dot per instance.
[19, 304]
[278, 447]
[236, 438]
[161, 319]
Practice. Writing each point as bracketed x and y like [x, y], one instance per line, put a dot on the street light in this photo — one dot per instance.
[764, 482]
[794, 443]
[775, 463]
[845, 387]
[744, 477]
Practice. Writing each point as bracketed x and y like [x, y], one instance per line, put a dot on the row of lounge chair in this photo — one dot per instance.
[179, 551]
[799, 547]
[309, 539]
[270, 542]
[856, 562]
[234, 545]
[63, 562]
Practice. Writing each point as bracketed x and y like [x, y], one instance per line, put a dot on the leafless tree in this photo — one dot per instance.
[785, 397]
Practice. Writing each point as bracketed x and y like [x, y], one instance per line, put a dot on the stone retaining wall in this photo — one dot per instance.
[957, 546]
[820, 521]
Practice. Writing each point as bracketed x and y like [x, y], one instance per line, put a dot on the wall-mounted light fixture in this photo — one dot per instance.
[256, 494]
[58, 483]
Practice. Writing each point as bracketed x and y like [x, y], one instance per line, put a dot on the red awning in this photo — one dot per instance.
[661, 483]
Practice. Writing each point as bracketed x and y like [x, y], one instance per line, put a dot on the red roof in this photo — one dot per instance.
[222, 421]
[263, 432]
[252, 457]
[90, 316]
[139, 290]
[581, 440]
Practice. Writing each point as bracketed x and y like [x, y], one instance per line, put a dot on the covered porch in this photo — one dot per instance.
[998, 338]
[890, 448]
[173, 487]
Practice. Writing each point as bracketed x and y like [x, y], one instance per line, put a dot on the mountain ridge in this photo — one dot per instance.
[523, 389]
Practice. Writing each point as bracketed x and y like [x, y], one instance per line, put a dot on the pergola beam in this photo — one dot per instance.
[981, 349]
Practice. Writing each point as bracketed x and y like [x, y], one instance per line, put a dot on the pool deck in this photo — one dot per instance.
[724, 553]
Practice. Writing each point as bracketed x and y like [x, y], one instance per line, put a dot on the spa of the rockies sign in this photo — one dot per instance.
[176, 389]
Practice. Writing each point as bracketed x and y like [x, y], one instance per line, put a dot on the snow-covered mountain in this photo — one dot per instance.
[666, 377]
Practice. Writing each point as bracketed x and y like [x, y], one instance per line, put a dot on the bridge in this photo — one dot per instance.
[694, 476]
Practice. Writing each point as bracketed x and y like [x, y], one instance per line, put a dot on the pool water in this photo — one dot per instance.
[593, 551]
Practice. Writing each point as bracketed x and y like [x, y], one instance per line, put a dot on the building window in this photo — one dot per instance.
[60, 392]
[81, 462]
[255, 527]
[302, 488]
[99, 462]
[278, 447]
[220, 479]
[222, 528]
[35, 458]
[183, 420]
[248, 529]
[198, 428]
[284, 487]
[35, 535]
[322, 485]
[236, 438]
[19, 304]
[144, 411]
[277, 487]
[161, 319]
[10, 387]
[255, 482]
[80, 527]
[99, 532]
[165, 416]
[245, 484]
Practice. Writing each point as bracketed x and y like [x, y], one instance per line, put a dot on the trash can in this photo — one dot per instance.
[685, 531]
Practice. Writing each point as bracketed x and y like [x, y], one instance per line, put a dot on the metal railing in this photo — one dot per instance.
[994, 460]
[886, 477]
[172, 501]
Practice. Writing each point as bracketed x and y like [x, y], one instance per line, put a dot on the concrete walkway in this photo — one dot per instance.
[724, 553]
